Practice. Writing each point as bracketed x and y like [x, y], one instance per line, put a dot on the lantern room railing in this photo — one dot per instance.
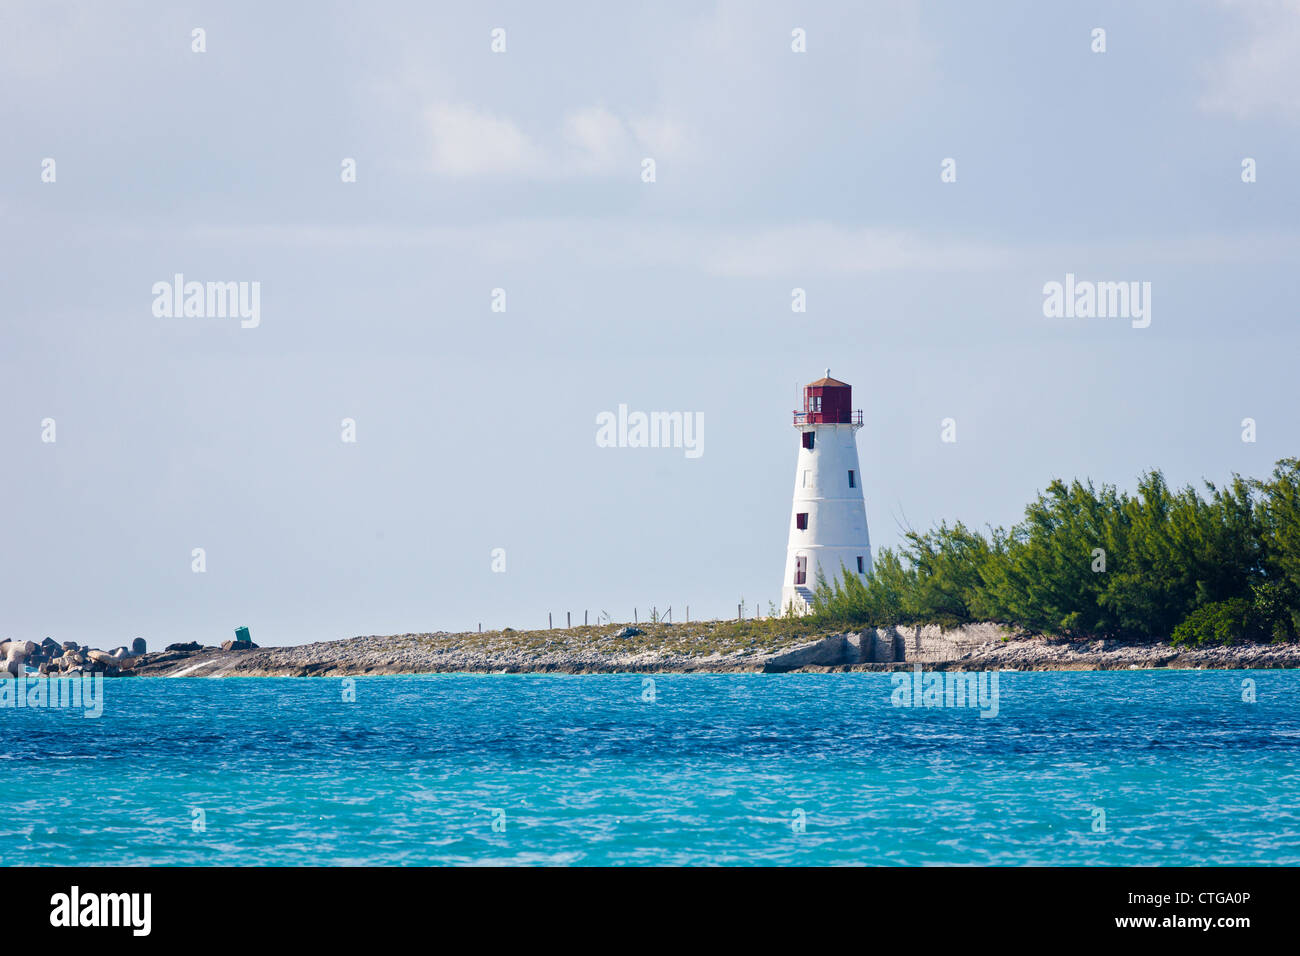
[824, 418]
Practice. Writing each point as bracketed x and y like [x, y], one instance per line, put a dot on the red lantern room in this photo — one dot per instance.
[828, 401]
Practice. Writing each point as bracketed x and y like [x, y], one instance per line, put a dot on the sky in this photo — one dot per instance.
[475, 491]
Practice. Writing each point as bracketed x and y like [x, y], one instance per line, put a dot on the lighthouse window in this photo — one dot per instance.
[815, 403]
[853, 483]
[808, 440]
[860, 567]
[801, 521]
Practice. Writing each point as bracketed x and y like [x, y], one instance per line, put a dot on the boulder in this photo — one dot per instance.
[833, 651]
[629, 632]
[51, 646]
[69, 645]
[238, 646]
[102, 657]
[191, 646]
[138, 646]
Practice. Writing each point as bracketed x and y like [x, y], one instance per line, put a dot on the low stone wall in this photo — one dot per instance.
[930, 644]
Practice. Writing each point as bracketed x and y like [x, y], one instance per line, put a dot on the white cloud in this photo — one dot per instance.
[598, 140]
[748, 107]
[799, 250]
[820, 248]
[1262, 75]
[467, 142]
[720, 97]
[661, 137]
[590, 141]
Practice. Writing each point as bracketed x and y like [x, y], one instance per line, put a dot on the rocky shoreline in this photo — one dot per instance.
[705, 647]
[50, 658]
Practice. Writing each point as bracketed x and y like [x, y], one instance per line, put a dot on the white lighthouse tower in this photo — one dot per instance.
[828, 523]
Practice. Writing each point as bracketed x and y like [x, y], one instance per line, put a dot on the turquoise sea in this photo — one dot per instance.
[693, 769]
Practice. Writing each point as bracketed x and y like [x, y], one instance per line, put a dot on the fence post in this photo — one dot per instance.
[568, 620]
[688, 614]
[739, 615]
[584, 617]
[549, 625]
[633, 615]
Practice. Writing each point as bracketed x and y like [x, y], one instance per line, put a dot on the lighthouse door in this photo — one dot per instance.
[801, 570]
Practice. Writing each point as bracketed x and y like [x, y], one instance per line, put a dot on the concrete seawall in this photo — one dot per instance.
[928, 644]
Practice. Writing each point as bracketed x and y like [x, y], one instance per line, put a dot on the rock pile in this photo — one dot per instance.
[68, 659]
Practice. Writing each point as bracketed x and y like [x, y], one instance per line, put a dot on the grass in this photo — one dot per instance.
[696, 639]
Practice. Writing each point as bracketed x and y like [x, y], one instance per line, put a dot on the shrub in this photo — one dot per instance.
[1220, 566]
[1222, 622]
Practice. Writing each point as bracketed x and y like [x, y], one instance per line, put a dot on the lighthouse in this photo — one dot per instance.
[828, 523]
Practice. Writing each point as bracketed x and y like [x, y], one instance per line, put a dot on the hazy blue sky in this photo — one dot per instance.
[522, 170]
